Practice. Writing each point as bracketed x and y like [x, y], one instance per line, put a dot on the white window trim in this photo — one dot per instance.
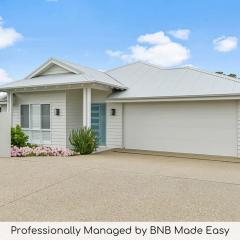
[38, 129]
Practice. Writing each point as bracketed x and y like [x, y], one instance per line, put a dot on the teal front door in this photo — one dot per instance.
[98, 121]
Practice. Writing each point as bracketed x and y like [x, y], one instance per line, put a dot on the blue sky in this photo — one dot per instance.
[109, 33]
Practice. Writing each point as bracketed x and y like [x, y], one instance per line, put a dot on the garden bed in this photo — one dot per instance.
[40, 151]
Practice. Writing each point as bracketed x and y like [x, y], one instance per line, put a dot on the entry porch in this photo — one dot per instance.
[49, 116]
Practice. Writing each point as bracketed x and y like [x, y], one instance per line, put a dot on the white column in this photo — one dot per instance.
[89, 98]
[10, 105]
[84, 107]
[87, 107]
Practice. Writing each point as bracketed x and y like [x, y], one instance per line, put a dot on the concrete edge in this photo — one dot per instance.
[179, 155]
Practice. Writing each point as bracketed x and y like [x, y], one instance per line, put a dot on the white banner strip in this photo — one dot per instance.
[120, 230]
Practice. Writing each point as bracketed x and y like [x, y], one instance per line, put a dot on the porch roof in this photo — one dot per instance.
[77, 75]
[59, 79]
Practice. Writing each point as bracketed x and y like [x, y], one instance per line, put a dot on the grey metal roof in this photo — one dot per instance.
[82, 75]
[60, 79]
[150, 81]
[138, 80]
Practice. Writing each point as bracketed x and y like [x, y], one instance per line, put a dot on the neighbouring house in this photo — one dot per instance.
[3, 103]
[136, 106]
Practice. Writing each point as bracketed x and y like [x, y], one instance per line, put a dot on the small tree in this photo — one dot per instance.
[18, 137]
[232, 75]
[229, 75]
[84, 140]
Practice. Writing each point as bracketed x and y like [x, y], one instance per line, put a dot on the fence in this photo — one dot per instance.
[5, 134]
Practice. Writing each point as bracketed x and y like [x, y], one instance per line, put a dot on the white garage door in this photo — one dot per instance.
[188, 127]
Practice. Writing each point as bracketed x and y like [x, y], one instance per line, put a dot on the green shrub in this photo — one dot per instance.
[32, 145]
[18, 137]
[83, 140]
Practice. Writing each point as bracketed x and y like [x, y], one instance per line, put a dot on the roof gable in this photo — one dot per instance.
[53, 69]
[56, 72]
[53, 66]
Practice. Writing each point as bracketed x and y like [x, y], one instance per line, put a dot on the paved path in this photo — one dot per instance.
[118, 187]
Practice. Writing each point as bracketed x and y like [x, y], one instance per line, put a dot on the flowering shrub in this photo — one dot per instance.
[40, 151]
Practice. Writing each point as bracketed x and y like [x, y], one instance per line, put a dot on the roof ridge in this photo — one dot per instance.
[195, 69]
[145, 63]
[114, 79]
[159, 67]
[225, 77]
[213, 74]
[122, 66]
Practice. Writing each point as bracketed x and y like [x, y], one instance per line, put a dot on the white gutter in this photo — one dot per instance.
[170, 99]
[82, 83]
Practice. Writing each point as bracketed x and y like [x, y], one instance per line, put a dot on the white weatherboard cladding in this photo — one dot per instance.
[208, 127]
[56, 100]
[114, 125]
[54, 69]
[74, 110]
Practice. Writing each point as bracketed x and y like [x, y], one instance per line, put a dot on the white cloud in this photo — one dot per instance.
[114, 53]
[154, 38]
[156, 48]
[225, 44]
[4, 77]
[180, 33]
[8, 36]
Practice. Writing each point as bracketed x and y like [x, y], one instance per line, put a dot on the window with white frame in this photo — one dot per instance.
[35, 121]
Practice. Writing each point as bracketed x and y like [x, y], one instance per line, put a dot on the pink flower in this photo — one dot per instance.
[40, 151]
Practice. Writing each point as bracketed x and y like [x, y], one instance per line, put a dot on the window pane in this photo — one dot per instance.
[95, 115]
[28, 133]
[25, 116]
[35, 116]
[46, 137]
[45, 117]
[36, 137]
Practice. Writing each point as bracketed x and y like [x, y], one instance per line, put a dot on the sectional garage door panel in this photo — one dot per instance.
[208, 127]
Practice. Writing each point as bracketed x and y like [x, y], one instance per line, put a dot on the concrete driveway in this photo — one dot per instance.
[113, 186]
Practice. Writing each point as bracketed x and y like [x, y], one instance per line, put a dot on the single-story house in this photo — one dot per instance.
[3, 103]
[136, 106]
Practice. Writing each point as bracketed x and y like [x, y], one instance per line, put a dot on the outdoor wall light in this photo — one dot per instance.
[113, 111]
[57, 112]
